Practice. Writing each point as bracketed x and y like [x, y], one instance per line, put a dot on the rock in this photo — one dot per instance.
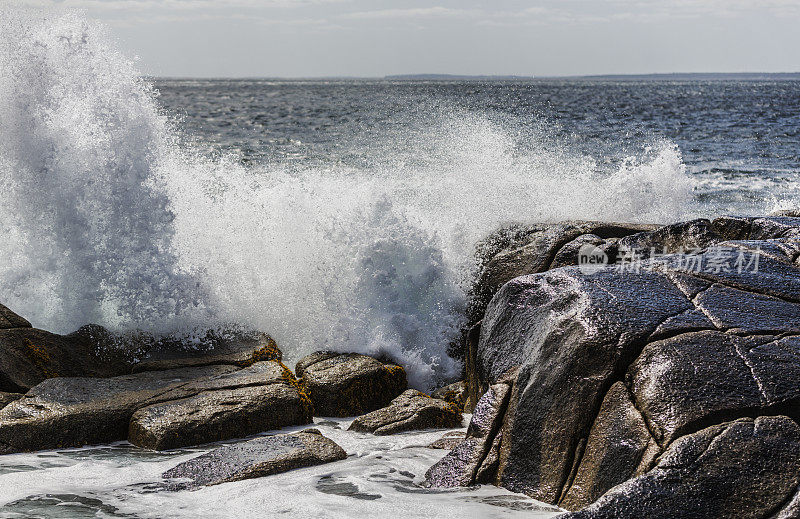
[448, 441]
[71, 412]
[9, 319]
[455, 393]
[618, 366]
[744, 468]
[619, 446]
[462, 466]
[233, 347]
[268, 398]
[257, 458]
[7, 398]
[410, 411]
[349, 384]
[28, 356]
[532, 249]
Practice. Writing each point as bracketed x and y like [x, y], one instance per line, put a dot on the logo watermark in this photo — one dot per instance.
[713, 260]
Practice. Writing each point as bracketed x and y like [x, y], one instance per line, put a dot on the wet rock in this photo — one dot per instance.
[71, 412]
[448, 441]
[349, 384]
[531, 250]
[616, 365]
[410, 411]
[745, 468]
[29, 355]
[257, 458]
[461, 466]
[9, 319]
[619, 446]
[7, 398]
[455, 393]
[233, 347]
[268, 398]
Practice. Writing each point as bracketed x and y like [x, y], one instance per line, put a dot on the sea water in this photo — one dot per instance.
[336, 214]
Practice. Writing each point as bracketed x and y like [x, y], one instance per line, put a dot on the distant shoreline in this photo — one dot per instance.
[688, 76]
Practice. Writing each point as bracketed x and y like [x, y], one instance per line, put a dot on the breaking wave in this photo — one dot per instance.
[107, 216]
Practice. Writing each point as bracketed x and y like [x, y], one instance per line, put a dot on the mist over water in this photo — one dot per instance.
[112, 214]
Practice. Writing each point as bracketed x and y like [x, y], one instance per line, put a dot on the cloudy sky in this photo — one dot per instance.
[304, 38]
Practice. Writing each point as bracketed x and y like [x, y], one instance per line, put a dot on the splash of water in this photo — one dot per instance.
[106, 218]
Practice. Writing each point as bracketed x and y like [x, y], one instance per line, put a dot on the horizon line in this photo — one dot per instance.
[509, 77]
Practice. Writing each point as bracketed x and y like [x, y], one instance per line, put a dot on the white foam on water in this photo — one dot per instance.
[381, 477]
[106, 218]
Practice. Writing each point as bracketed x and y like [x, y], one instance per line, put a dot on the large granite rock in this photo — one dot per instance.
[348, 384]
[259, 398]
[257, 458]
[744, 468]
[227, 346]
[71, 412]
[413, 410]
[622, 370]
[29, 355]
[521, 250]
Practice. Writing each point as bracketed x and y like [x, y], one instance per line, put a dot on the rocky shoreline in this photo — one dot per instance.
[663, 381]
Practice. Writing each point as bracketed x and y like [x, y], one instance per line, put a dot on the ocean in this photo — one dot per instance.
[332, 214]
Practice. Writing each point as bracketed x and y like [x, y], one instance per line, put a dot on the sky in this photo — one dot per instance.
[373, 38]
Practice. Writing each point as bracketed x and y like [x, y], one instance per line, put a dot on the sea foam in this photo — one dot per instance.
[107, 216]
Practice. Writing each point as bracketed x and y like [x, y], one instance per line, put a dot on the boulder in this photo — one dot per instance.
[257, 458]
[474, 458]
[448, 441]
[9, 319]
[348, 384]
[455, 393]
[410, 411]
[265, 397]
[7, 398]
[232, 346]
[618, 367]
[745, 468]
[71, 412]
[29, 355]
[521, 250]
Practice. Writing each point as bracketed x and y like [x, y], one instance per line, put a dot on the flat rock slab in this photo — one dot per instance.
[268, 399]
[410, 411]
[257, 458]
[349, 384]
[236, 349]
[71, 412]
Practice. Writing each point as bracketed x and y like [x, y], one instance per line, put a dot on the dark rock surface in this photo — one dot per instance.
[475, 457]
[518, 251]
[9, 319]
[257, 458]
[744, 468]
[410, 411]
[455, 393]
[231, 347]
[623, 371]
[71, 412]
[264, 396]
[348, 384]
[29, 355]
